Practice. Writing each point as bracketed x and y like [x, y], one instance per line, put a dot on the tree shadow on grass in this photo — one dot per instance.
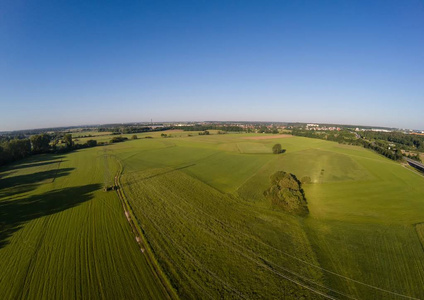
[24, 183]
[37, 164]
[15, 213]
[32, 161]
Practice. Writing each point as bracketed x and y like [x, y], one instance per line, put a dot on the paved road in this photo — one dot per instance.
[415, 164]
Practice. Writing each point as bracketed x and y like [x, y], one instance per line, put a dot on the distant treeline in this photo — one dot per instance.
[210, 127]
[131, 129]
[18, 148]
[411, 141]
[347, 137]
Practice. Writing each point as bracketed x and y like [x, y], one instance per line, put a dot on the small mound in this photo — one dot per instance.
[286, 192]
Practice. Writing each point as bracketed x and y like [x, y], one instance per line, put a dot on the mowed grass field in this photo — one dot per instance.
[199, 203]
[63, 237]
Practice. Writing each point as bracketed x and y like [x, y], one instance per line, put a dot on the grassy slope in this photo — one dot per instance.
[363, 207]
[210, 243]
[199, 200]
[62, 237]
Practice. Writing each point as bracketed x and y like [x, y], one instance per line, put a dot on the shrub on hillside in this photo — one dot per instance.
[118, 139]
[91, 143]
[305, 180]
[286, 192]
[276, 149]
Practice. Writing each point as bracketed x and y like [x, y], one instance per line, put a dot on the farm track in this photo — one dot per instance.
[140, 238]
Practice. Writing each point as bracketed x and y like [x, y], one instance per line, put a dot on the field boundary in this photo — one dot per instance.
[140, 238]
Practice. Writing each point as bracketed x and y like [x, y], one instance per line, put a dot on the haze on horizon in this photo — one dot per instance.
[349, 62]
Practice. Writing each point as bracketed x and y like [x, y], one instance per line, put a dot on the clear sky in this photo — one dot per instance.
[88, 62]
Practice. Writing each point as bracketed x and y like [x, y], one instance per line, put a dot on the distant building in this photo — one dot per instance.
[380, 130]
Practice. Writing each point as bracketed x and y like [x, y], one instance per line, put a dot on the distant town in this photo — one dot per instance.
[254, 127]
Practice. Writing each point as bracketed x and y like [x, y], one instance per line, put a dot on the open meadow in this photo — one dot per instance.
[208, 231]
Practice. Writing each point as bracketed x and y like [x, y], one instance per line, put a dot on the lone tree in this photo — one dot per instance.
[276, 149]
[134, 137]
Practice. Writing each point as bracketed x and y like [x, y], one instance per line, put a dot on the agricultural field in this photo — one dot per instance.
[207, 230]
[105, 137]
[80, 134]
[63, 237]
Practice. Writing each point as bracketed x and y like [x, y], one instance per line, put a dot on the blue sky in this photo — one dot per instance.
[89, 62]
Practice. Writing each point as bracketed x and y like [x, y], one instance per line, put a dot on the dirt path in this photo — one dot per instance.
[140, 239]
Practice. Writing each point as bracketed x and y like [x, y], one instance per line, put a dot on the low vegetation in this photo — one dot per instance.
[276, 149]
[286, 193]
[118, 139]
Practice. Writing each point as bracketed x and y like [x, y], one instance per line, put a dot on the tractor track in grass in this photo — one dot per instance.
[140, 238]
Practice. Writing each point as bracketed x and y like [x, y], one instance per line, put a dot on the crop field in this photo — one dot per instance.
[209, 232]
[62, 237]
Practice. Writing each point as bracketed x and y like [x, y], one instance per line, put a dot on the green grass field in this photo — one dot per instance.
[62, 237]
[198, 201]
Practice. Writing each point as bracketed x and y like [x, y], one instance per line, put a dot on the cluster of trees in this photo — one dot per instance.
[342, 137]
[383, 149]
[91, 143]
[12, 149]
[265, 129]
[411, 141]
[204, 133]
[118, 139]
[286, 192]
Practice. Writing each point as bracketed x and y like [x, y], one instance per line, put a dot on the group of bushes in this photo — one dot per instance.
[118, 139]
[276, 149]
[286, 192]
